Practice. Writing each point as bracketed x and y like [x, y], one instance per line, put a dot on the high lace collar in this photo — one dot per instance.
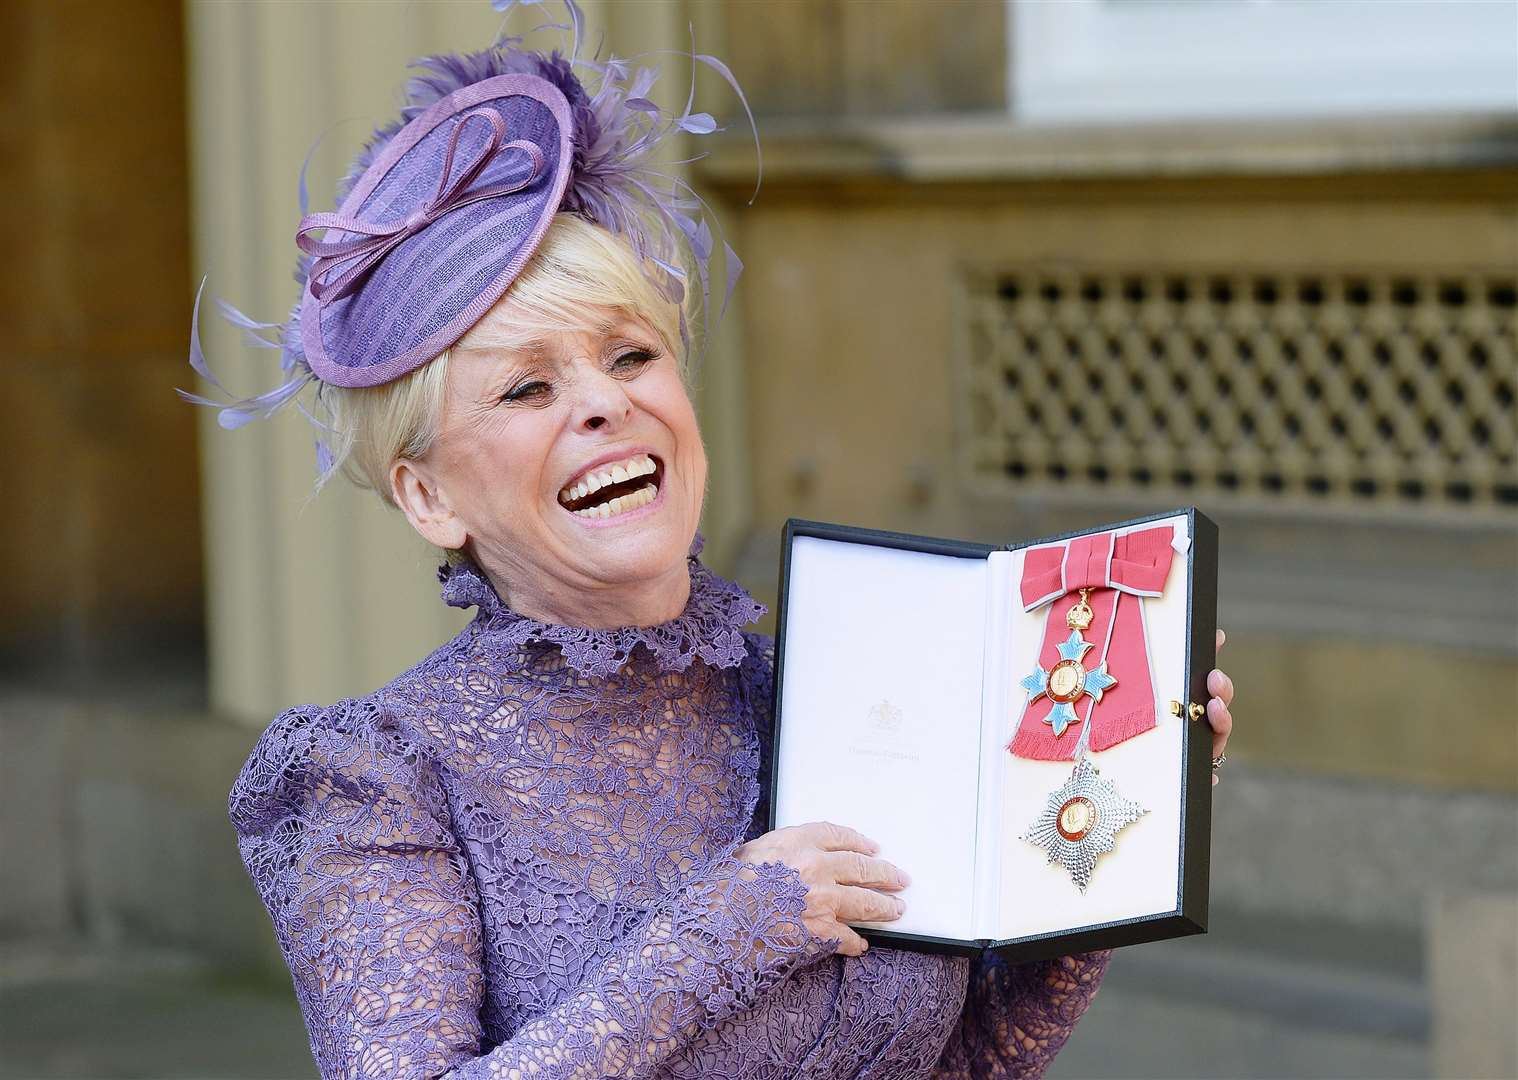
[709, 629]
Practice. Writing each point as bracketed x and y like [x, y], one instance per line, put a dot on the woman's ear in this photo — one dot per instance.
[415, 492]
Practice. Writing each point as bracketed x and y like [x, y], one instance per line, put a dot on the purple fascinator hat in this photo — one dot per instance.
[443, 208]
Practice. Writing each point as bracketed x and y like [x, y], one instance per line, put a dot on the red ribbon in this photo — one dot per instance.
[1119, 569]
[374, 241]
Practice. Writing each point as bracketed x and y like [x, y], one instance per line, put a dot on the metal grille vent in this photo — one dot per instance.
[1384, 390]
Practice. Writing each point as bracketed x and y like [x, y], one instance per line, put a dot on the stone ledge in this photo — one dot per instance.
[989, 147]
[1293, 990]
[121, 814]
[1288, 844]
[39, 962]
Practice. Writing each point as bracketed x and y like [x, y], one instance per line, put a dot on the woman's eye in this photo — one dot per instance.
[526, 390]
[631, 361]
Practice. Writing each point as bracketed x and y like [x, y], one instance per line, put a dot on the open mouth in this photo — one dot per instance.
[614, 488]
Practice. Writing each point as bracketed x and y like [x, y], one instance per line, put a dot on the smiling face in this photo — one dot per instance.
[571, 470]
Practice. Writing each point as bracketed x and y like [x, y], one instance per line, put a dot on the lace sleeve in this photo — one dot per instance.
[343, 827]
[344, 833]
[708, 952]
[1017, 1017]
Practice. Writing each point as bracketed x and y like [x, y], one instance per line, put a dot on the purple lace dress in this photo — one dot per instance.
[516, 861]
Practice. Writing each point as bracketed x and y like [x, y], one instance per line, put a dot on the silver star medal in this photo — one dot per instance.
[1081, 820]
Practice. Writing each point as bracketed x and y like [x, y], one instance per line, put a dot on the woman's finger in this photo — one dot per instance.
[853, 944]
[867, 905]
[831, 837]
[1221, 721]
[852, 868]
[1219, 685]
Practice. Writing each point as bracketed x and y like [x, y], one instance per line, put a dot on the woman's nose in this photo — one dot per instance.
[602, 403]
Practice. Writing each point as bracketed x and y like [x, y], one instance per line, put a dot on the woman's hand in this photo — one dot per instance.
[1220, 686]
[841, 874]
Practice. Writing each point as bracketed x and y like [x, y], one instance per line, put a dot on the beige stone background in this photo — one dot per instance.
[921, 276]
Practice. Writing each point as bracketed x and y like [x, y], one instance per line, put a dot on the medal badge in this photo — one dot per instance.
[1069, 679]
[1081, 819]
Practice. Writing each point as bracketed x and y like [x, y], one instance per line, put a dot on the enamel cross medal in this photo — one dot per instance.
[1068, 679]
[1082, 817]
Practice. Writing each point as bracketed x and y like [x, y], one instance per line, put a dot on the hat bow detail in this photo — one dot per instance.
[373, 241]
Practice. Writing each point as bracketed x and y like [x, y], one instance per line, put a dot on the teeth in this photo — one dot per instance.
[615, 473]
[621, 504]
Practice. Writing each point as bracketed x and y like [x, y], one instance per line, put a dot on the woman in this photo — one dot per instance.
[538, 853]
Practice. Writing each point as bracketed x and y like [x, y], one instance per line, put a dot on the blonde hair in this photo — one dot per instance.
[578, 268]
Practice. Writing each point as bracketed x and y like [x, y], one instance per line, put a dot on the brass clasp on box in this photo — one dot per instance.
[1195, 711]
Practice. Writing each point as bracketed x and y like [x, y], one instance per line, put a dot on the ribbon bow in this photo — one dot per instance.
[1115, 691]
[375, 241]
